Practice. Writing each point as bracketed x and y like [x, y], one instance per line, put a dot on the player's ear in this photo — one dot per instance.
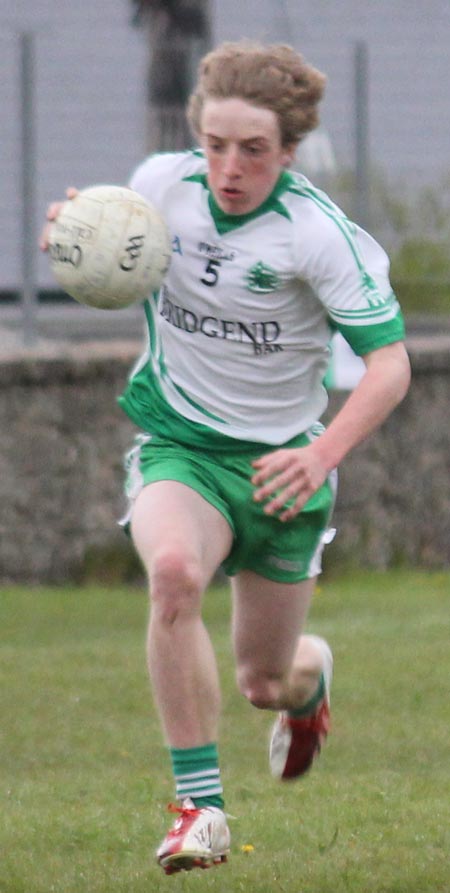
[288, 154]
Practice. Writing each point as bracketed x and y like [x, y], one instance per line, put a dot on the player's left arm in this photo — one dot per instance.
[296, 474]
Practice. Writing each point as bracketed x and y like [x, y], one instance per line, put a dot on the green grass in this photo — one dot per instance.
[84, 774]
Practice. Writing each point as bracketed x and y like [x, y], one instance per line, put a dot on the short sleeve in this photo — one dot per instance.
[349, 272]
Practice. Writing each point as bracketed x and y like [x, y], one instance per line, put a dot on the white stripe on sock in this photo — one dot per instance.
[210, 773]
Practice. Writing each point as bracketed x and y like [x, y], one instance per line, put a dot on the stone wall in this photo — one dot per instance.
[62, 439]
[394, 494]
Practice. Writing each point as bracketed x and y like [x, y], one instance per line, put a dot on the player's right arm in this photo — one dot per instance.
[53, 210]
[296, 473]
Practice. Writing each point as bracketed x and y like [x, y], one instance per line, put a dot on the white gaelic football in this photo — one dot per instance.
[109, 247]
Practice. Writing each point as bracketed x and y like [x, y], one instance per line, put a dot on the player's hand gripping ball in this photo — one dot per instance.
[109, 247]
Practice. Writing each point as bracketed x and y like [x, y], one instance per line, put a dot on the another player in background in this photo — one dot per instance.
[232, 467]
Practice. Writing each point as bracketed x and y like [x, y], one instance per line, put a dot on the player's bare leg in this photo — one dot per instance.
[182, 539]
[280, 669]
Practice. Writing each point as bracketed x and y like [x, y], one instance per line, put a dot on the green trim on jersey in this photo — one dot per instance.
[354, 316]
[197, 406]
[157, 355]
[144, 403]
[225, 223]
[299, 186]
[364, 339]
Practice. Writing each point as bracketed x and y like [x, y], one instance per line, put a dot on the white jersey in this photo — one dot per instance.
[238, 337]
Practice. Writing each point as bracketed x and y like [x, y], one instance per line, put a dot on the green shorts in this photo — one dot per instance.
[285, 552]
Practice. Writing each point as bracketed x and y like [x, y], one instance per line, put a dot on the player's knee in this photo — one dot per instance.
[262, 691]
[175, 585]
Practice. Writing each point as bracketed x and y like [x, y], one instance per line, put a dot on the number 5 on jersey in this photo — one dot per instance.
[211, 272]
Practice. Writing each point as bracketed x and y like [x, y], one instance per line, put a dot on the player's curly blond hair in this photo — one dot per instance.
[274, 77]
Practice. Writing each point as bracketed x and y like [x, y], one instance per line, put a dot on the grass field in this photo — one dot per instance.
[84, 777]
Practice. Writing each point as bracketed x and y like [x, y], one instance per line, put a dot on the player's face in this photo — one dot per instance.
[243, 148]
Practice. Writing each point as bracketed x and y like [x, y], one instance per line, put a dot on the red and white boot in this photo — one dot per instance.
[199, 838]
[296, 741]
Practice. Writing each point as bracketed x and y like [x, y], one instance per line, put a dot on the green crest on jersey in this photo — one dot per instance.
[262, 279]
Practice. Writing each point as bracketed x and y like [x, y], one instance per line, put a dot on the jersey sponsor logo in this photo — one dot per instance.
[262, 279]
[215, 255]
[215, 252]
[262, 336]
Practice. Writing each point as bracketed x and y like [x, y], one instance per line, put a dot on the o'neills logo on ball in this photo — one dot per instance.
[66, 254]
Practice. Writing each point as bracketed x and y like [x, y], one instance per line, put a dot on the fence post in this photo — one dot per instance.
[28, 172]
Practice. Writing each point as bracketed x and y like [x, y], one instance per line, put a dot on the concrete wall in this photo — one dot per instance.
[62, 439]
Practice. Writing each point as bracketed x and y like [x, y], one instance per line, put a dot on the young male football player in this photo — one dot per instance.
[232, 466]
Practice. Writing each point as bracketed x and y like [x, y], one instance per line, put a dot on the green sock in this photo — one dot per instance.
[310, 706]
[197, 774]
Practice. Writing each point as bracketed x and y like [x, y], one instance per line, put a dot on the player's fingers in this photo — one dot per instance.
[44, 237]
[269, 465]
[274, 484]
[294, 509]
[300, 493]
[53, 210]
